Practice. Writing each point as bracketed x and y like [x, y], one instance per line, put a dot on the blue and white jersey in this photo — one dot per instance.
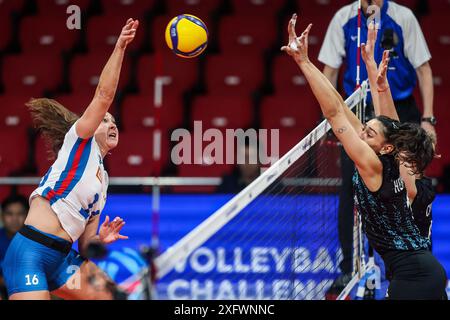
[76, 183]
[399, 31]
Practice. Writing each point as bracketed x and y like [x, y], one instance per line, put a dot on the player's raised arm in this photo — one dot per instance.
[333, 108]
[107, 86]
[383, 102]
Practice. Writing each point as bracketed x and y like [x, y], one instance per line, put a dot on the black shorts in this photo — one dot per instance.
[415, 275]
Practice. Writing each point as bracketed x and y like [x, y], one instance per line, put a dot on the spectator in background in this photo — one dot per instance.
[244, 173]
[13, 215]
[400, 33]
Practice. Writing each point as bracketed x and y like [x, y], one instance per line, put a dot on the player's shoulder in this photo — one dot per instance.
[346, 13]
[425, 183]
[399, 13]
[425, 188]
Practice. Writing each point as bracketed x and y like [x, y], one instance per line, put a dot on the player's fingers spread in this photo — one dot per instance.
[286, 49]
[308, 29]
[123, 237]
[115, 223]
[119, 226]
[128, 26]
[291, 27]
[106, 221]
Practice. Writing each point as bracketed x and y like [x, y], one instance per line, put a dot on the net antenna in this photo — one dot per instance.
[159, 82]
[181, 250]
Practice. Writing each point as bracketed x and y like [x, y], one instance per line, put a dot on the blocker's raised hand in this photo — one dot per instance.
[128, 33]
[298, 46]
[368, 49]
[382, 82]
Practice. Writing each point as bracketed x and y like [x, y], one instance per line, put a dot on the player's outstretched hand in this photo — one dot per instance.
[382, 81]
[110, 232]
[297, 46]
[128, 33]
[368, 49]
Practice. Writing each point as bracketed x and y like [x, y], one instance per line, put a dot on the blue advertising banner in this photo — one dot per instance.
[274, 249]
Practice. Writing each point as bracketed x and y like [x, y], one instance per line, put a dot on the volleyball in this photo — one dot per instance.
[187, 36]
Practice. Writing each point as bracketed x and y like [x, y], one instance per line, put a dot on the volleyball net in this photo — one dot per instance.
[276, 239]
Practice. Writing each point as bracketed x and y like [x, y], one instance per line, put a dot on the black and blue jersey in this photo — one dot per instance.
[386, 216]
[421, 206]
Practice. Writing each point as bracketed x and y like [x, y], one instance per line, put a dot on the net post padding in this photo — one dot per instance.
[185, 246]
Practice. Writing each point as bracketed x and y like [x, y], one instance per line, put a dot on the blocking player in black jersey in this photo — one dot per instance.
[419, 188]
[378, 149]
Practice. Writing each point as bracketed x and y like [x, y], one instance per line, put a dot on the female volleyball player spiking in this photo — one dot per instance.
[67, 204]
[419, 188]
[378, 148]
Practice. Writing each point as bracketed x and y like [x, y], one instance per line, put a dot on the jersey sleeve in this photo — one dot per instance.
[425, 194]
[71, 139]
[332, 52]
[416, 49]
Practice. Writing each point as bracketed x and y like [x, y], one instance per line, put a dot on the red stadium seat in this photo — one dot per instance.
[316, 35]
[8, 6]
[328, 159]
[198, 8]
[408, 3]
[5, 191]
[25, 190]
[103, 32]
[13, 112]
[30, 74]
[76, 103]
[287, 77]
[439, 6]
[139, 112]
[319, 7]
[249, 34]
[222, 111]
[50, 7]
[299, 112]
[257, 8]
[46, 33]
[85, 71]
[134, 154]
[442, 113]
[127, 8]
[436, 32]
[5, 25]
[181, 73]
[288, 138]
[13, 150]
[237, 74]
[42, 155]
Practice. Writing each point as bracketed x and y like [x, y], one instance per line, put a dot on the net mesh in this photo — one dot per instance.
[282, 245]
